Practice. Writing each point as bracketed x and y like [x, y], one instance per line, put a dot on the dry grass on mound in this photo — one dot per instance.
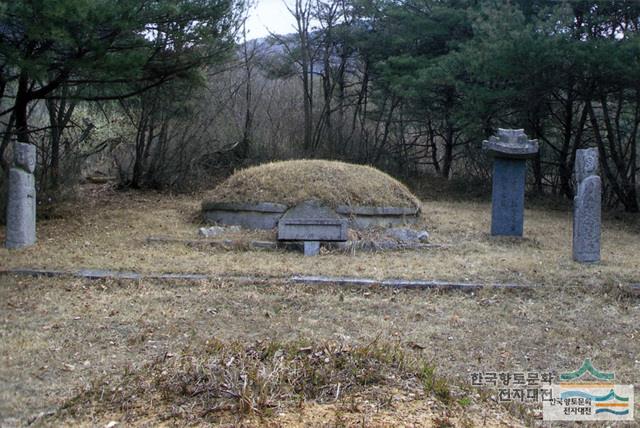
[335, 183]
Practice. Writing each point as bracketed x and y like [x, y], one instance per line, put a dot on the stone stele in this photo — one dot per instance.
[21, 203]
[587, 208]
[510, 150]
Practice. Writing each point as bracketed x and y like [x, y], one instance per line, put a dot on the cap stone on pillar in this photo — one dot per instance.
[511, 143]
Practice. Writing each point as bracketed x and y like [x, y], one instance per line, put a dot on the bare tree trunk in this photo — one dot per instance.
[60, 113]
[618, 180]
[245, 143]
[302, 14]
[141, 133]
[447, 159]
[434, 147]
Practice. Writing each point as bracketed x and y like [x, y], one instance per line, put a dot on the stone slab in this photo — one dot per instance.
[311, 221]
[246, 219]
[21, 209]
[363, 217]
[507, 206]
[368, 221]
[264, 215]
[312, 230]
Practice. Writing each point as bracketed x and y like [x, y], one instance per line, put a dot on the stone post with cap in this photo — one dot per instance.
[510, 150]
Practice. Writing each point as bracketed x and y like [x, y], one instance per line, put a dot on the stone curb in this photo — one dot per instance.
[376, 211]
[262, 207]
[95, 274]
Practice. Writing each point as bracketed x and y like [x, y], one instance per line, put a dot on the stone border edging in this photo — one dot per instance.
[95, 274]
[265, 215]
[404, 283]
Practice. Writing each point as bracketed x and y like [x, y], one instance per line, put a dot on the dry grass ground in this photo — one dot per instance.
[63, 338]
[108, 230]
[295, 181]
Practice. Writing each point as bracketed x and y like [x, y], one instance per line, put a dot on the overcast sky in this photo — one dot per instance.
[269, 15]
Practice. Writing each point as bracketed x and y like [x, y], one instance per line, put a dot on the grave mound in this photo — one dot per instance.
[331, 182]
[258, 197]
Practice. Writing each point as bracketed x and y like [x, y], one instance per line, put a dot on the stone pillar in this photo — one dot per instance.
[21, 202]
[311, 248]
[510, 148]
[587, 208]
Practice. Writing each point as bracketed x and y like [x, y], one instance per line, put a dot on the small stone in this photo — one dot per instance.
[213, 231]
[210, 232]
[406, 235]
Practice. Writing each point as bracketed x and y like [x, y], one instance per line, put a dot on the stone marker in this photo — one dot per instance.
[21, 203]
[510, 148]
[311, 223]
[587, 208]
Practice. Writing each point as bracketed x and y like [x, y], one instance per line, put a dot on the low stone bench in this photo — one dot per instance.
[312, 223]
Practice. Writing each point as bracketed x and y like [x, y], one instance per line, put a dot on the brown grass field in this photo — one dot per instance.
[267, 352]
